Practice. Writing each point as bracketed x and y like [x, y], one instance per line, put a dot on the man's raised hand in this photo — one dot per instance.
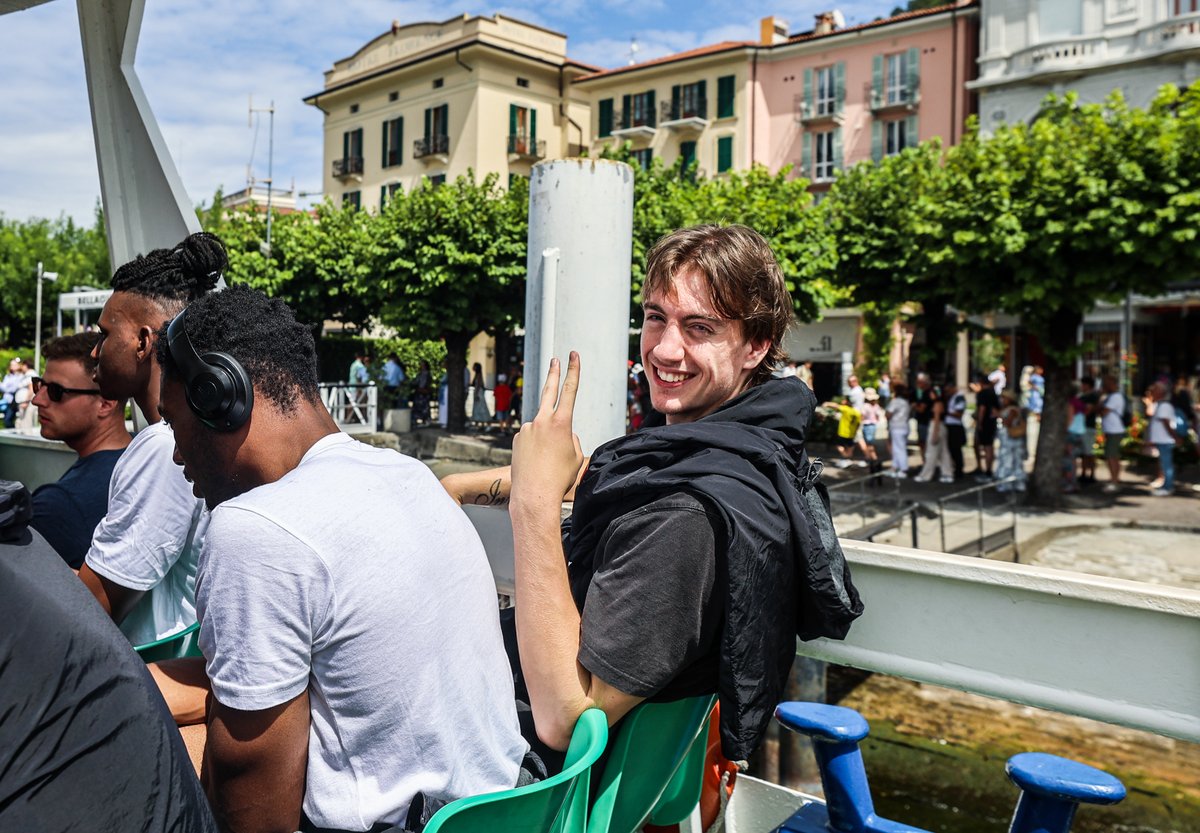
[546, 452]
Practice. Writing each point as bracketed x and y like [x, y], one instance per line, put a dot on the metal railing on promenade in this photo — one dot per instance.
[355, 408]
[986, 541]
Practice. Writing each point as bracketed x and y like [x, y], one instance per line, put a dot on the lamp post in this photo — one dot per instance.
[42, 275]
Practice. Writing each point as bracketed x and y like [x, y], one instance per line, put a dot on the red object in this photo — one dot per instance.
[503, 394]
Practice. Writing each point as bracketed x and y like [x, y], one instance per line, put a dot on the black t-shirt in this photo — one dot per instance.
[652, 621]
[86, 743]
[922, 405]
[987, 404]
[67, 511]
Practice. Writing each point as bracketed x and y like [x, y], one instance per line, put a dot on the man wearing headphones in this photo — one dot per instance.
[141, 565]
[357, 671]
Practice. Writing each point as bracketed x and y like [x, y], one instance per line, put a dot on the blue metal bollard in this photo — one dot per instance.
[835, 732]
[1052, 788]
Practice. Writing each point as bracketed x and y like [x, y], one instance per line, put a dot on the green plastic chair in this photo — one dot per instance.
[556, 805]
[185, 643]
[655, 769]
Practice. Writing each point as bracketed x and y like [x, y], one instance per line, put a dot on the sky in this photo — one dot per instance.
[201, 64]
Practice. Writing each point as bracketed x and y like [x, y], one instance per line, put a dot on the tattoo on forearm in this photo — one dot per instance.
[492, 497]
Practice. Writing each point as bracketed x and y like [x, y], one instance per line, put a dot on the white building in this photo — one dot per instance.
[1033, 47]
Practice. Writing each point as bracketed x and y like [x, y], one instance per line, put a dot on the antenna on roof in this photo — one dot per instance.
[633, 50]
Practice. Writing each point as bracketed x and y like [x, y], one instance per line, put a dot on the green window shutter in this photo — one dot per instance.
[399, 128]
[512, 119]
[839, 86]
[725, 94]
[675, 101]
[877, 91]
[910, 132]
[724, 153]
[606, 117]
[445, 120]
[703, 99]
[382, 197]
[533, 126]
[913, 74]
[687, 155]
[626, 111]
[428, 122]
[806, 155]
[877, 140]
[837, 148]
[346, 145]
[384, 162]
[808, 94]
[650, 98]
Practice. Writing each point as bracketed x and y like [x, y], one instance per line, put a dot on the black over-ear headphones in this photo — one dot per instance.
[217, 387]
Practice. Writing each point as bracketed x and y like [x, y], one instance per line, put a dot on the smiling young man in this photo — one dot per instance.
[699, 548]
[141, 565]
[71, 409]
[356, 666]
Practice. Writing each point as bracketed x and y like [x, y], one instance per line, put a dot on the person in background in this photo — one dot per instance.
[1090, 397]
[393, 379]
[1073, 447]
[999, 380]
[885, 389]
[897, 417]
[479, 407]
[850, 435]
[804, 371]
[1112, 423]
[422, 390]
[956, 432]
[923, 398]
[855, 393]
[937, 450]
[71, 409]
[788, 369]
[1037, 391]
[871, 415]
[987, 410]
[503, 394]
[358, 368]
[1186, 418]
[1163, 436]
[1010, 465]
[15, 382]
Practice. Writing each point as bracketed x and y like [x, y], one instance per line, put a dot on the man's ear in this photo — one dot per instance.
[107, 406]
[145, 345]
[758, 351]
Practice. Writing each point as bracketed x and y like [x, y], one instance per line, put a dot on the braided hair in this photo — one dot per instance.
[175, 277]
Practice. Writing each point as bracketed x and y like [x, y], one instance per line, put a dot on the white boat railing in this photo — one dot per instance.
[355, 408]
[1119, 651]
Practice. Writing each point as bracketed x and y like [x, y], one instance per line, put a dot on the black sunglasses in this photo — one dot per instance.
[56, 391]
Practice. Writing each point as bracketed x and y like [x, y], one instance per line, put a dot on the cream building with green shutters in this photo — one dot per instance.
[434, 100]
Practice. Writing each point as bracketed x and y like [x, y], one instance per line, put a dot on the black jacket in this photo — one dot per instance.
[784, 572]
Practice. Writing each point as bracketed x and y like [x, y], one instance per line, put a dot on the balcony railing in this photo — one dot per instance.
[526, 147]
[819, 110]
[431, 146]
[696, 108]
[1177, 31]
[885, 98]
[637, 118]
[348, 166]
[1069, 52]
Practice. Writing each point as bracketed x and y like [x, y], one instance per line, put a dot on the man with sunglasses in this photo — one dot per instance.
[71, 409]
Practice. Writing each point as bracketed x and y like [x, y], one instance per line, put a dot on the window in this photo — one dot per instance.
[523, 82]
[437, 121]
[725, 93]
[393, 96]
[825, 92]
[687, 155]
[353, 108]
[1187, 6]
[638, 110]
[522, 129]
[605, 118]
[823, 155]
[393, 137]
[642, 158]
[352, 149]
[386, 192]
[438, 82]
[724, 153]
[352, 198]
[1059, 18]
[895, 137]
[437, 179]
[895, 80]
[688, 101]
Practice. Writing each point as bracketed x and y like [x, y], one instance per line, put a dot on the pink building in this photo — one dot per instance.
[832, 97]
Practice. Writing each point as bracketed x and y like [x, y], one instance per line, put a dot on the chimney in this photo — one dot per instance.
[772, 30]
[826, 23]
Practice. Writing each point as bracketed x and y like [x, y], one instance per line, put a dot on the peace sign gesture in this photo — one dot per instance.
[546, 452]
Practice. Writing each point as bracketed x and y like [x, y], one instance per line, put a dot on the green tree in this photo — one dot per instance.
[451, 263]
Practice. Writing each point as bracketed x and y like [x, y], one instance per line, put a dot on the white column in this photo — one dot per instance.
[145, 205]
[578, 290]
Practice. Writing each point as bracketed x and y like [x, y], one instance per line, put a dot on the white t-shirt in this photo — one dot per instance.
[955, 409]
[857, 397]
[897, 415]
[1112, 423]
[357, 577]
[1164, 415]
[150, 539]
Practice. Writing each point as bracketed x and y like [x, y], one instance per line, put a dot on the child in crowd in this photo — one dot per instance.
[503, 394]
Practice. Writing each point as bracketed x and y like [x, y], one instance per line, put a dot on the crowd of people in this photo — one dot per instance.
[1100, 422]
[357, 673]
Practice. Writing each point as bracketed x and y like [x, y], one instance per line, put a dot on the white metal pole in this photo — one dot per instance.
[37, 326]
[583, 208]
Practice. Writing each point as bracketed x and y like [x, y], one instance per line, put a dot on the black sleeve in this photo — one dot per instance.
[651, 612]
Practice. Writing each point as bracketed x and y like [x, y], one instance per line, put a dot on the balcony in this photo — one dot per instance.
[821, 110]
[524, 148]
[895, 98]
[347, 167]
[1178, 32]
[640, 124]
[683, 116]
[432, 148]
[1061, 54]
